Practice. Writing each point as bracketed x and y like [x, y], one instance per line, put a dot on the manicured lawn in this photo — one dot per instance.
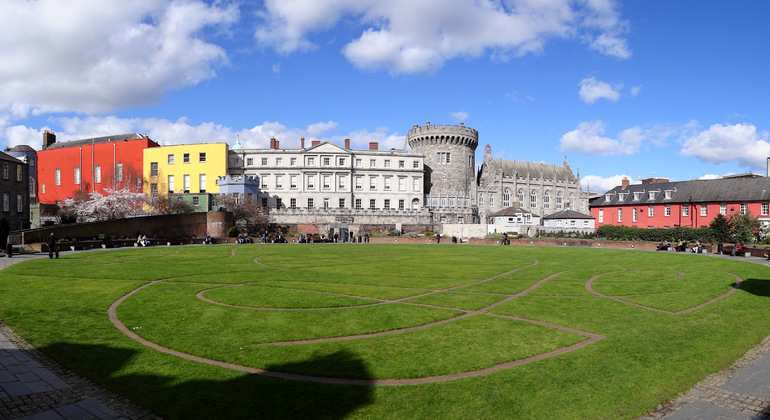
[380, 315]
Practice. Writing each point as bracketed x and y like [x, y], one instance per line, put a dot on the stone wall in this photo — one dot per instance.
[191, 225]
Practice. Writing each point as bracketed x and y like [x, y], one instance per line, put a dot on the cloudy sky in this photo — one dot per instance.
[673, 89]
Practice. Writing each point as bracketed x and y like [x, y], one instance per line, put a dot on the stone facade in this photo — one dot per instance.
[325, 183]
[450, 181]
[540, 188]
[434, 184]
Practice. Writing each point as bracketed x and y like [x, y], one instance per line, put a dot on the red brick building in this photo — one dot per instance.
[68, 169]
[666, 204]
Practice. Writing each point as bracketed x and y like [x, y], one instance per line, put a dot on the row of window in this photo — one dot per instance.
[342, 182]
[326, 161]
[6, 171]
[743, 209]
[171, 184]
[97, 174]
[532, 199]
[185, 159]
[7, 203]
[387, 204]
[639, 194]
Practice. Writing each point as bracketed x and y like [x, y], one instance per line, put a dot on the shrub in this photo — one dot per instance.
[232, 232]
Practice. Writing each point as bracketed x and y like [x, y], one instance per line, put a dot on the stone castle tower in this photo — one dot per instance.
[450, 181]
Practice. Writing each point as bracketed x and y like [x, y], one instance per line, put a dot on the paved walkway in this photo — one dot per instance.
[34, 387]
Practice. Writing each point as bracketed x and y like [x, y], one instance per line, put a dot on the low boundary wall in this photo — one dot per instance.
[169, 226]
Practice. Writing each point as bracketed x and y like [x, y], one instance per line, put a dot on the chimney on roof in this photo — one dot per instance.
[272, 142]
[302, 143]
[49, 138]
[347, 145]
[625, 182]
[373, 145]
[277, 144]
[314, 143]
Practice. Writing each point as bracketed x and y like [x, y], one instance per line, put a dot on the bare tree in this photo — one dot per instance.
[247, 214]
[169, 204]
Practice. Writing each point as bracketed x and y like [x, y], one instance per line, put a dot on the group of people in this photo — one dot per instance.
[505, 240]
[143, 241]
[244, 239]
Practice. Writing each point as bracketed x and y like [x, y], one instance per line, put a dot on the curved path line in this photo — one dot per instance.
[591, 338]
[738, 282]
[200, 296]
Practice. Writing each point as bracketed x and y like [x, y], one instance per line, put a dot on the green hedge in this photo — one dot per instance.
[627, 233]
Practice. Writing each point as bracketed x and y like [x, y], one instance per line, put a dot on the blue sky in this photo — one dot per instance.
[674, 89]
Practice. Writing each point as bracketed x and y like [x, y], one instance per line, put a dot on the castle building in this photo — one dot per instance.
[449, 181]
[540, 188]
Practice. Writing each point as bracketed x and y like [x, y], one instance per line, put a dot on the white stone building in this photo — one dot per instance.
[326, 184]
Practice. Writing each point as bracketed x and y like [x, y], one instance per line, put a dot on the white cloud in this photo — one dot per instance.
[460, 115]
[182, 131]
[319, 129]
[276, 68]
[102, 55]
[592, 90]
[406, 36]
[635, 90]
[600, 184]
[740, 143]
[710, 176]
[587, 139]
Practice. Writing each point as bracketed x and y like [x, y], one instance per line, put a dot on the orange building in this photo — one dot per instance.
[72, 168]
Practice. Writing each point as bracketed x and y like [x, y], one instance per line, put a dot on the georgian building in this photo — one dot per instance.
[68, 169]
[333, 185]
[657, 203]
[14, 190]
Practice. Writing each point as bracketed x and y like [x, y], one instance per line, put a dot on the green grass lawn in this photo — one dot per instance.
[408, 313]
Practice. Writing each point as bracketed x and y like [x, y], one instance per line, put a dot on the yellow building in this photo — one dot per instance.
[186, 168]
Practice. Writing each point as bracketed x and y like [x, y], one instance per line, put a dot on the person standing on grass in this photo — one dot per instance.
[51, 242]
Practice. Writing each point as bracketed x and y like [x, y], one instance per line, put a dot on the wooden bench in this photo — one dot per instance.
[728, 250]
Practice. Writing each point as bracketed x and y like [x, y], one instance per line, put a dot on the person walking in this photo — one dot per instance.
[51, 242]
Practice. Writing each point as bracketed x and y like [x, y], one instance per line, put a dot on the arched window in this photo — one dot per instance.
[571, 204]
[559, 200]
[481, 199]
[416, 204]
[520, 194]
[507, 198]
[546, 200]
[533, 198]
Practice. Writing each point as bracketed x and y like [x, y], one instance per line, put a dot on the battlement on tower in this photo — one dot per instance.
[443, 129]
[446, 134]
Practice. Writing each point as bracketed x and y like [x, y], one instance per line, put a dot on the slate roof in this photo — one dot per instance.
[568, 214]
[9, 158]
[698, 191]
[509, 211]
[97, 140]
[535, 169]
[19, 148]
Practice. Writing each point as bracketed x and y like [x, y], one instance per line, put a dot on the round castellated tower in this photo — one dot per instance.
[449, 158]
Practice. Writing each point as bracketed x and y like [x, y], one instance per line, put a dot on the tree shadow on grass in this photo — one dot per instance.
[245, 397]
[759, 287]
